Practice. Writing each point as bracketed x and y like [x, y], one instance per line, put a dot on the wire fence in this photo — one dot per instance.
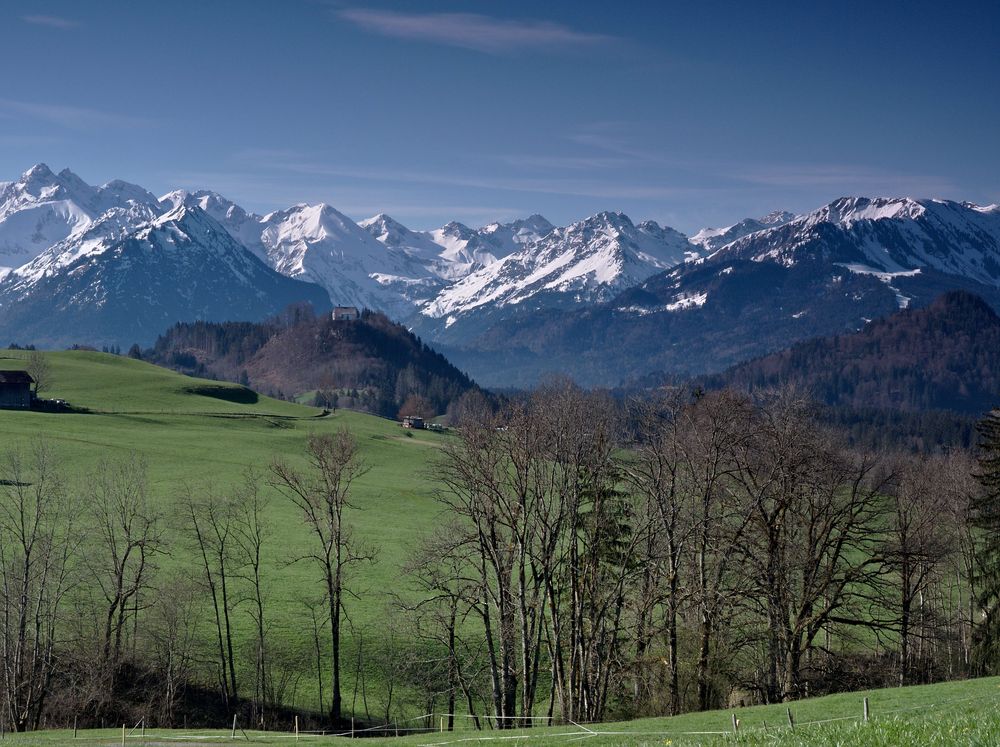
[569, 732]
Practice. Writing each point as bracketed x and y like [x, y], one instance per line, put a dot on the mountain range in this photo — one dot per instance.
[826, 272]
[604, 298]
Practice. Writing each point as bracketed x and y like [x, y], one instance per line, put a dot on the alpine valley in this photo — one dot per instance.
[604, 299]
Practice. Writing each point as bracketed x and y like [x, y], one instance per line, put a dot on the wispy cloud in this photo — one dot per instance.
[567, 163]
[28, 141]
[472, 31]
[71, 117]
[845, 178]
[54, 22]
[833, 179]
[308, 164]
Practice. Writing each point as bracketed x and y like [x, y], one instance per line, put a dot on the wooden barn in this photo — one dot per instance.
[15, 390]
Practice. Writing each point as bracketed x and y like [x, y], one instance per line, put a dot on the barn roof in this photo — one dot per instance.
[15, 377]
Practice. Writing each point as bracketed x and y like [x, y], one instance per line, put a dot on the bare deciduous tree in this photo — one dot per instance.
[211, 518]
[660, 474]
[323, 495]
[918, 540]
[40, 370]
[37, 545]
[442, 573]
[250, 533]
[171, 640]
[130, 538]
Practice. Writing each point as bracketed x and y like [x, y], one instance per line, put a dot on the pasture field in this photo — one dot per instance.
[205, 434]
[953, 713]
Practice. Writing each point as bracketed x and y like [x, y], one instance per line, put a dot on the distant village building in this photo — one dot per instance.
[15, 390]
[346, 314]
[412, 421]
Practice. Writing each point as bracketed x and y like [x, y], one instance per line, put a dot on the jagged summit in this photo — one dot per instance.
[43, 208]
[886, 237]
[585, 262]
[114, 282]
[715, 238]
[846, 210]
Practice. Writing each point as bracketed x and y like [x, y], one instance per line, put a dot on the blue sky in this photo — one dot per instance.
[693, 113]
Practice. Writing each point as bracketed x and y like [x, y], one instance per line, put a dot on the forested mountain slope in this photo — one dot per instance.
[945, 356]
[371, 364]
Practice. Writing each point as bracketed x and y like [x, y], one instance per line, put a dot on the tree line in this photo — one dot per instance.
[103, 620]
[699, 550]
[592, 560]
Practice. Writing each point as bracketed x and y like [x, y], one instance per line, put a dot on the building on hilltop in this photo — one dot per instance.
[15, 390]
[346, 314]
[413, 421]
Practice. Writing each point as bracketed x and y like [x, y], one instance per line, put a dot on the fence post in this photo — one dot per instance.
[736, 723]
[866, 710]
[234, 727]
[352, 727]
[442, 723]
[74, 727]
[123, 735]
[296, 728]
[791, 721]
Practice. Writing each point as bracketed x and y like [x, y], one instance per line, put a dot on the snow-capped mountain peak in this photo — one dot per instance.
[321, 244]
[117, 282]
[509, 237]
[712, 239]
[846, 211]
[587, 261]
[315, 223]
[884, 237]
[42, 208]
[383, 223]
[394, 234]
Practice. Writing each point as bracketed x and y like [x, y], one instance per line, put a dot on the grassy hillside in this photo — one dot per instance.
[116, 384]
[206, 434]
[955, 713]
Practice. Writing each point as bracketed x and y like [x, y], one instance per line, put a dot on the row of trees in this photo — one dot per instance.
[696, 550]
[97, 624]
[592, 561]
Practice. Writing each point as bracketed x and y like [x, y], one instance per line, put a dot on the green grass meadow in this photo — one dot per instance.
[953, 713]
[205, 433]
